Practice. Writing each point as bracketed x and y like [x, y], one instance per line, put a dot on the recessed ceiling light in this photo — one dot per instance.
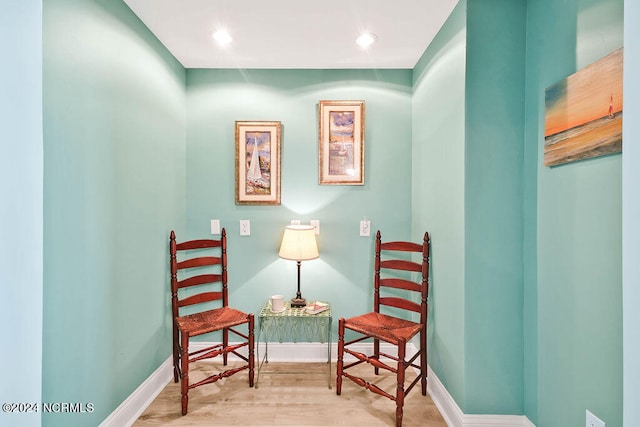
[222, 37]
[366, 39]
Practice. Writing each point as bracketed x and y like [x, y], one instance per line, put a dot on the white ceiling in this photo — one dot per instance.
[294, 33]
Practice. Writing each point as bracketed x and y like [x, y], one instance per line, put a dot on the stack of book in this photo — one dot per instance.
[316, 307]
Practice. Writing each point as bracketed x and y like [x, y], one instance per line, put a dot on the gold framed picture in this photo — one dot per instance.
[341, 144]
[257, 163]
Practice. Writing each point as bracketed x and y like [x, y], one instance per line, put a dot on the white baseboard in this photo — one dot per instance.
[454, 417]
[134, 405]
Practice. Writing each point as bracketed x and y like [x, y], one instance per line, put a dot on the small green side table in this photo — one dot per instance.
[295, 324]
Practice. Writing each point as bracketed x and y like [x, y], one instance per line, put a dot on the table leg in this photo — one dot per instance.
[266, 350]
[329, 351]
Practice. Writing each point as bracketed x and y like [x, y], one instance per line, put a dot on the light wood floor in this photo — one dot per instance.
[288, 395]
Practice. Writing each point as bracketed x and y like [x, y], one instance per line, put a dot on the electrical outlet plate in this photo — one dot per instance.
[365, 228]
[315, 223]
[295, 222]
[215, 226]
[593, 421]
[245, 227]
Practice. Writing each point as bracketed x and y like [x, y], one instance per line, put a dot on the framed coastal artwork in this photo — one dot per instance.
[257, 163]
[341, 143]
[583, 113]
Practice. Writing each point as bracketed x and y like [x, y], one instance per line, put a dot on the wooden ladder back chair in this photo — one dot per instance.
[395, 273]
[201, 266]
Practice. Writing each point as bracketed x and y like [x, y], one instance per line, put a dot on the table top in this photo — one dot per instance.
[292, 311]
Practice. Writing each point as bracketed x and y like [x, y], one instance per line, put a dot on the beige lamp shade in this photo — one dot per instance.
[299, 243]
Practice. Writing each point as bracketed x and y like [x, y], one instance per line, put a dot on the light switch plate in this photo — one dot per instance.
[245, 227]
[365, 228]
[315, 223]
[215, 226]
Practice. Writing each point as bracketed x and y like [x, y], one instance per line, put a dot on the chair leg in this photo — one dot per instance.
[402, 366]
[251, 350]
[184, 383]
[376, 354]
[340, 363]
[423, 362]
[176, 355]
[225, 344]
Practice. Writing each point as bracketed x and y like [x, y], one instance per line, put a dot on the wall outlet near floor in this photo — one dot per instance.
[245, 227]
[593, 421]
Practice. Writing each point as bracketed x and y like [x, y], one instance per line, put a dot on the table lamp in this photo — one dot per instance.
[299, 244]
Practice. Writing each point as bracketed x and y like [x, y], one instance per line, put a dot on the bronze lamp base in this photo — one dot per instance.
[298, 302]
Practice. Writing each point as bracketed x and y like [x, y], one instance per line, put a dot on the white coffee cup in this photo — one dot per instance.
[277, 303]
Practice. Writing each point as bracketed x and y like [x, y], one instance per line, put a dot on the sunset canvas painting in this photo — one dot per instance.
[583, 113]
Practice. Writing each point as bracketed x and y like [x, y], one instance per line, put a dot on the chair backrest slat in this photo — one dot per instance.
[401, 246]
[199, 280]
[199, 262]
[200, 298]
[400, 264]
[400, 303]
[208, 259]
[198, 244]
[396, 271]
[396, 283]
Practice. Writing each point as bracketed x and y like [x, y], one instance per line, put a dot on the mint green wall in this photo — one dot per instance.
[114, 185]
[579, 284]
[342, 274]
[493, 206]
[21, 208]
[115, 177]
[630, 215]
[438, 192]
[527, 355]
[470, 83]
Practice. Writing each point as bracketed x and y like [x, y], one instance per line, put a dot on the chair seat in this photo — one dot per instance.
[387, 328]
[210, 321]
